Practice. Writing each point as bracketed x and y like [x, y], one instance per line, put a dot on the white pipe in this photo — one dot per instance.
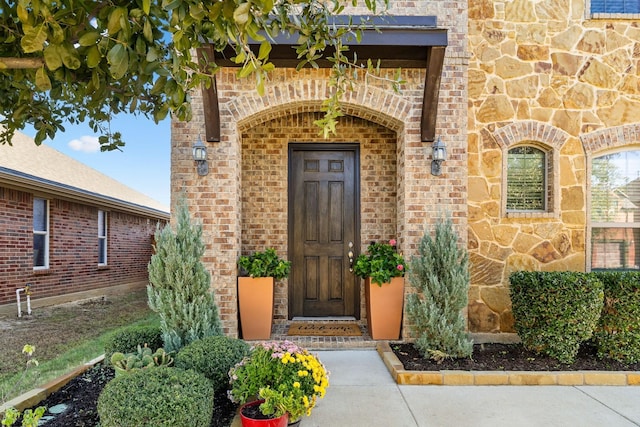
[27, 292]
[18, 298]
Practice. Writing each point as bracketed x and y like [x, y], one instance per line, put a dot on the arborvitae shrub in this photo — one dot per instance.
[213, 357]
[618, 332]
[179, 284]
[440, 276]
[157, 397]
[555, 311]
[127, 340]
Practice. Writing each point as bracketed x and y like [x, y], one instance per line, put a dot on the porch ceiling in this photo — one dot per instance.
[397, 41]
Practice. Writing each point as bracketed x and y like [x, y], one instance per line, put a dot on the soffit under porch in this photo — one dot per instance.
[396, 41]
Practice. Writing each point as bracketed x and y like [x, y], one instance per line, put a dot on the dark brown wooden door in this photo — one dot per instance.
[323, 222]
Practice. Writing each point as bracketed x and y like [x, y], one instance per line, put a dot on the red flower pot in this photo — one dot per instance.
[250, 410]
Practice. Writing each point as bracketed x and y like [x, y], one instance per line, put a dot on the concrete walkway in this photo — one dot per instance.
[362, 393]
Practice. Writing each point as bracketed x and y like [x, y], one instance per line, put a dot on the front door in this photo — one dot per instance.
[323, 228]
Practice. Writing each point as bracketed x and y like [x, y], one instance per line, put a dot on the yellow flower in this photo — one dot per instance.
[296, 384]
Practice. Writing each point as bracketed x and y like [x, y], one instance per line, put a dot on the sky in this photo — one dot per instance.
[144, 162]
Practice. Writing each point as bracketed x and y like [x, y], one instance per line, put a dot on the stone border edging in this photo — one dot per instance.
[445, 377]
[37, 395]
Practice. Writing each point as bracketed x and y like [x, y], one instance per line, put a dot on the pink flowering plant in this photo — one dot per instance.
[287, 377]
[381, 262]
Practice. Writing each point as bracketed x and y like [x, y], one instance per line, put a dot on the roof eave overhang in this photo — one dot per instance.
[394, 41]
[25, 182]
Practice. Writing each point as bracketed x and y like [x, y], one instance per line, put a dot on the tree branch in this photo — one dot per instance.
[21, 63]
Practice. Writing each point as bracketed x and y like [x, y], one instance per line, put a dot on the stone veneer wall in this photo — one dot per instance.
[216, 199]
[540, 73]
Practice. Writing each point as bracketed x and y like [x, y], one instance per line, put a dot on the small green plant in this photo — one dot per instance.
[213, 357]
[142, 359]
[30, 417]
[440, 276]
[158, 396]
[618, 332]
[179, 287]
[265, 264]
[127, 339]
[381, 262]
[555, 311]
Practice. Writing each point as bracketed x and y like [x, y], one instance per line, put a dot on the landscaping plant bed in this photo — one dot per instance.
[507, 357]
[80, 396]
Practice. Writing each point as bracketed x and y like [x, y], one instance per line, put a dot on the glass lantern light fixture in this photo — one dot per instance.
[200, 157]
[439, 155]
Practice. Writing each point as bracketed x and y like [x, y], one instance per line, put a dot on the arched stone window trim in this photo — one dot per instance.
[547, 138]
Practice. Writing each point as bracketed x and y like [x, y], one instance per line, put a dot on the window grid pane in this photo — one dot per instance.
[615, 211]
[102, 238]
[615, 6]
[526, 179]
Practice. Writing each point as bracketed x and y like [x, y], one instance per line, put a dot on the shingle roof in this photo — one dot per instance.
[44, 168]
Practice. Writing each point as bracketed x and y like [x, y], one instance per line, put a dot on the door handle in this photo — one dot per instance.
[350, 255]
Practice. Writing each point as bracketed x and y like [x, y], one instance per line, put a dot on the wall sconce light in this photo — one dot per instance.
[439, 155]
[200, 157]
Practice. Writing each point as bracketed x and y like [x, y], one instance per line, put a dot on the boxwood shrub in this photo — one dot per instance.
[555, 311]
[618, 332]
[158, 397]
[127, 339]
[213, 357]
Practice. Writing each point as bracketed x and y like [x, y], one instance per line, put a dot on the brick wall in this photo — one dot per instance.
[73, 247]
[264, 183]
[285, 112]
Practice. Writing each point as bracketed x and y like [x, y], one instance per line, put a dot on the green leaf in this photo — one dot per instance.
[70, 57]
[146, 6]
[241, 14]
[23, 14]
[52, 57]
[42, 80]
[118, 58]
[89, 39]
[93, 57]
[265, 49]
[33, 39]
[113, 25]
[147, 31]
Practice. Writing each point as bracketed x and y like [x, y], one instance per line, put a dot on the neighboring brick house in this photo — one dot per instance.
[535, 98]
[66, 228]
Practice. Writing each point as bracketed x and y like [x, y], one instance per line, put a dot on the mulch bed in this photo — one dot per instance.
[508, 357]
[81, 397]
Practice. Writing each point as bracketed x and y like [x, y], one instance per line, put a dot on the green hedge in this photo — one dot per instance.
[213, 357]
[157, 397]
[618, 332]
[555, 311]
[127, 339]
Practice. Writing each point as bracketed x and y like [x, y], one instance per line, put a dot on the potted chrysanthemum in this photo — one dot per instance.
[383, 269]
[280, 377]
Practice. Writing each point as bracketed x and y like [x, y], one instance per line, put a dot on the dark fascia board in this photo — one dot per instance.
[397, 41]
[29, 182]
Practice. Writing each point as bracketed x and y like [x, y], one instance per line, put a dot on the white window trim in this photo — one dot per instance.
[46, 236]
[102, 238]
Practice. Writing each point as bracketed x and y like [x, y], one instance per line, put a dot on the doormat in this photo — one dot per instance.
[324, 329]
